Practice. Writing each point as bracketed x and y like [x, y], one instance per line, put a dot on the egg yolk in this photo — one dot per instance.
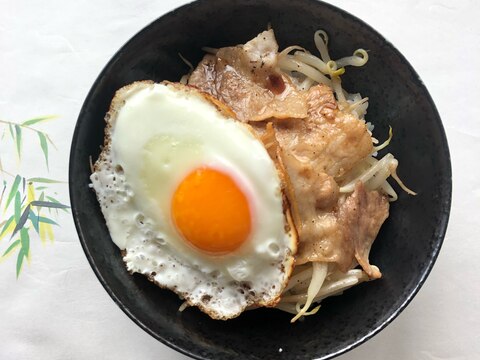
[211, 211]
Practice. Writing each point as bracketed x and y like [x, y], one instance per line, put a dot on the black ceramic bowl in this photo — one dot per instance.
[407, 245]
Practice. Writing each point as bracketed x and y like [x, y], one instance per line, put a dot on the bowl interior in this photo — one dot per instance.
[407, 244]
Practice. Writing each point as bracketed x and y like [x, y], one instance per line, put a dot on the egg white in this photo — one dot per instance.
[157, 134]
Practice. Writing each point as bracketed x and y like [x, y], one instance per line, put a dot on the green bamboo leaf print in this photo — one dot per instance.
[6, 226]
[18, 140]
[21, 221]
[52, 199]
[48, 204]
[34, 219]
[13, 190]
[19, 201]
[4, 187]
[46, 220]
[25, 241]
[18, 207]
[45, 180]
[11, 247]
[50, 141]
[24, 250]
[12, 134]
[41, 198]
[44, 146]
[20, 257]
[38, 119]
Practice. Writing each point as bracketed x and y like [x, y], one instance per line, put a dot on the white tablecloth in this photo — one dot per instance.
[50, 54]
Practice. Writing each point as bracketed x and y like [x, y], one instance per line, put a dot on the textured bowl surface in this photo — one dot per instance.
[407, 245]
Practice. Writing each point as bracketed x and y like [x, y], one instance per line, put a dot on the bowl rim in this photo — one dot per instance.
[446, 202]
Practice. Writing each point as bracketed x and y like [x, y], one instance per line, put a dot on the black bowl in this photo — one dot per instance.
[407, 245]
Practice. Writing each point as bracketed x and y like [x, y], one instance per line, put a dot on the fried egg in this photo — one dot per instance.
[193, 200]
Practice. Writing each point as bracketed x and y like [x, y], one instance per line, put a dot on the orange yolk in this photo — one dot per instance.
[211, 211]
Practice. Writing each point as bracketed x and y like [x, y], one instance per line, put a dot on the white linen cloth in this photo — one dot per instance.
[50, 54]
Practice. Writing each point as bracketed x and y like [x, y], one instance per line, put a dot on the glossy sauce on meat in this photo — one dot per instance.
[245, 78]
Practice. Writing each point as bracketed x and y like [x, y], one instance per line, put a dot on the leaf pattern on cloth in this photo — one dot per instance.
[27, 205]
